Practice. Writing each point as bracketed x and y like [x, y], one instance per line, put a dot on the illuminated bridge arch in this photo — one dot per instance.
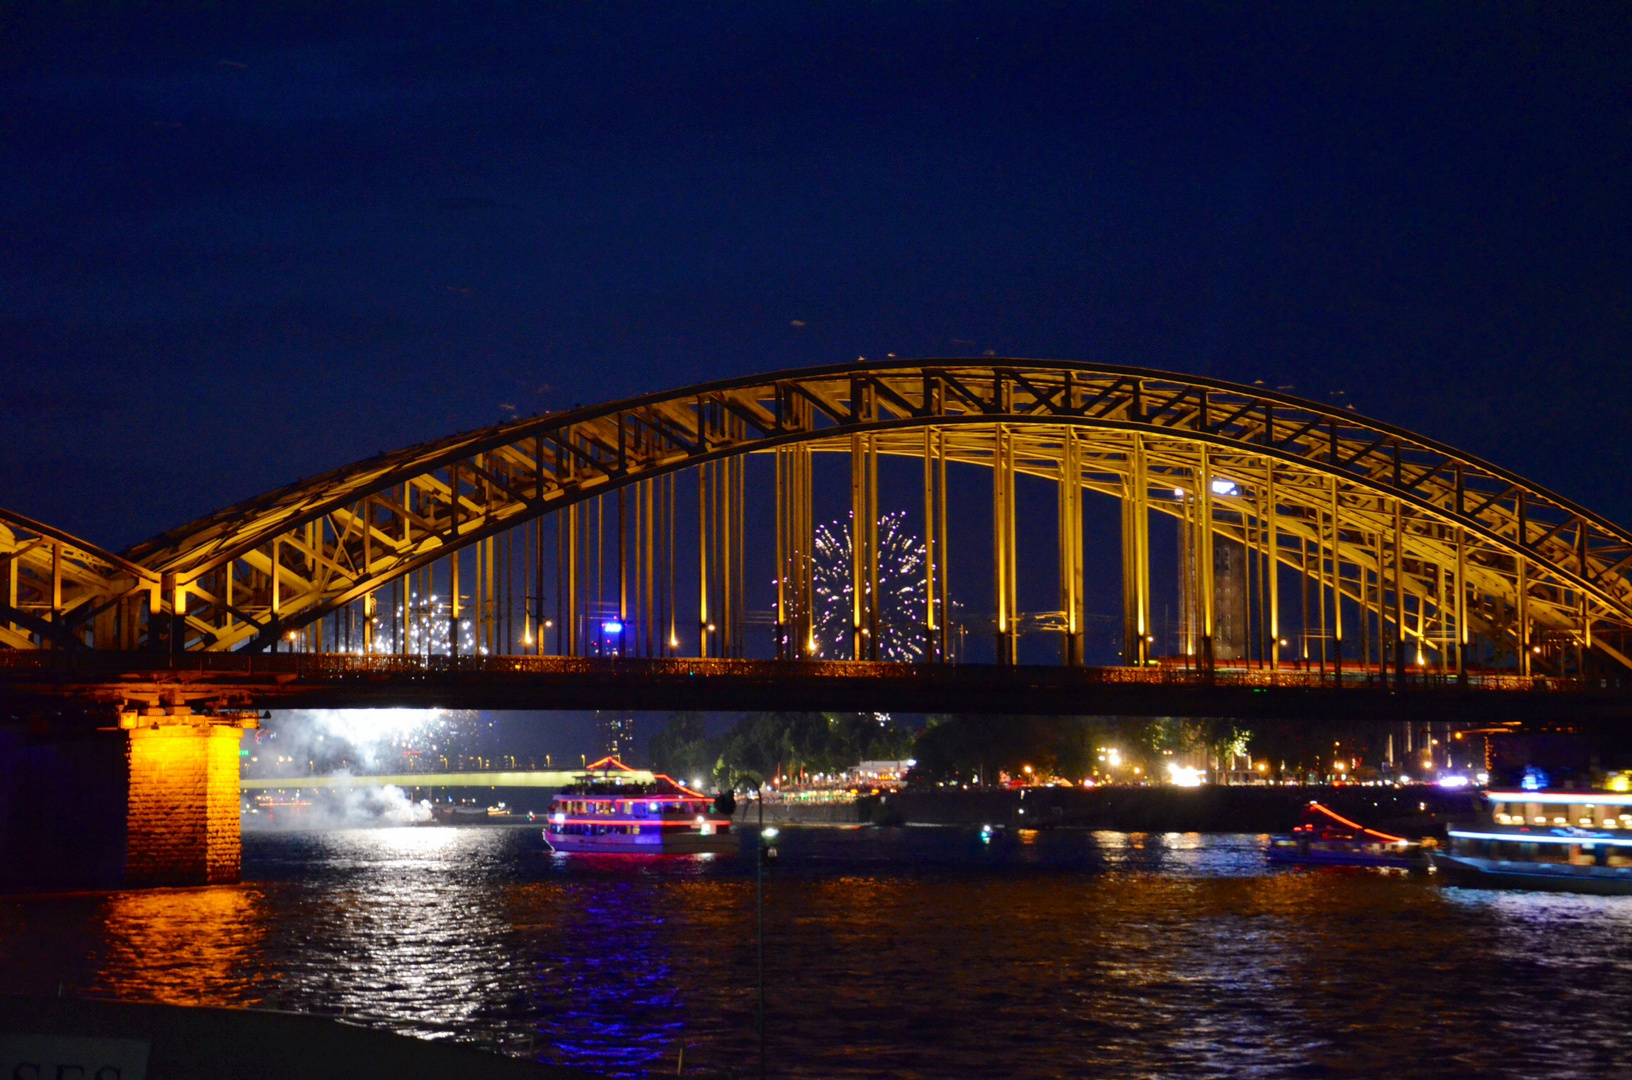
[1430, 548]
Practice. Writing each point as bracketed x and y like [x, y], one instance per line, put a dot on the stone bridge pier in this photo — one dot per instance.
[181, 820]
[150, 801]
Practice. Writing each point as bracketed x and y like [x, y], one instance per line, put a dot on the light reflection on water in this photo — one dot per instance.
[910, 952]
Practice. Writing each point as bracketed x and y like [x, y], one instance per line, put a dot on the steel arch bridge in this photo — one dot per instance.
[1311, 538]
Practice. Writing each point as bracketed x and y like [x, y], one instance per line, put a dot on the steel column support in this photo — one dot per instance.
[1140, 498]
[667, 615]
[1136, 630]
[1584, 640]
[1461, 605]
[1399, 593]
[1070, 538]
[1003, 544]
[724, 548]
[623, 572]
[874, 607]
[1130, 575]
[568, 628]
[1320, 582]
[784, 511]
[702, 560]
[943, 551]
[1337, 584]
[1523, 576]
[478, 638]
[1303, 599]
[649, 582]
[1204, 556]
[934, 499]
[1273, 542]
[858, 548]
[802, 631]
[453, 603]
[739, 559]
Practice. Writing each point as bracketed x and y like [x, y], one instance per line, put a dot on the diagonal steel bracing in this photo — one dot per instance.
[1391, 516]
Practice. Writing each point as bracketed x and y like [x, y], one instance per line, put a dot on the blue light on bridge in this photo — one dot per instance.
[613, 627]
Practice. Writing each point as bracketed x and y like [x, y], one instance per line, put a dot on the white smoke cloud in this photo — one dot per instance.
[298, 743]
[359, 807]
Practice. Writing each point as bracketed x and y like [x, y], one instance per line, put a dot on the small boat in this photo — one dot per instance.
[606, 812]
[1557, 841]
[1324, 837]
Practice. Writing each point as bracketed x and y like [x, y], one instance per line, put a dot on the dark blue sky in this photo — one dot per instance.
[241, 243]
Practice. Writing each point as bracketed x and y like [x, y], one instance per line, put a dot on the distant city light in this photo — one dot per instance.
[1225, 487]
[1453, 781]
[1185, 775]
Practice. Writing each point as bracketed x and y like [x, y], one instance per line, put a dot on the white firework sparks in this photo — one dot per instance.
[428, 632]
[367, 739]
[901, 558]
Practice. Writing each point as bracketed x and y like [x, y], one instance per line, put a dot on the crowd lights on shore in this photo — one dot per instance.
[1185, 775]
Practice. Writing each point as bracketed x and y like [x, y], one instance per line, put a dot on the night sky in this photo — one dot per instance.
[242, 243]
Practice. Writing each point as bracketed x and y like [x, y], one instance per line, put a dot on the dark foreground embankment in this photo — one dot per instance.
[69, 1039]
[1412, 811]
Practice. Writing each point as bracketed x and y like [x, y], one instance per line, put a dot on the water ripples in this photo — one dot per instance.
[890, 953]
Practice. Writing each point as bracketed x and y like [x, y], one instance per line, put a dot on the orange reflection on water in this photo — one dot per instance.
[184, 946]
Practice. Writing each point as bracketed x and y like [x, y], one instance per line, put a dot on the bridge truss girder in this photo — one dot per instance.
[250, 574]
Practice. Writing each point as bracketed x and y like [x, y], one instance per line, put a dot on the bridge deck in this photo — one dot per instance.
[312, 680]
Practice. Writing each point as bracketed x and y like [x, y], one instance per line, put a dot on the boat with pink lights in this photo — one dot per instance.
[609, 811]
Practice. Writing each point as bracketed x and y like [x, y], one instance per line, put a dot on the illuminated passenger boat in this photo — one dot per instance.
[606, 812]
[1326, 838]
[1562, 841]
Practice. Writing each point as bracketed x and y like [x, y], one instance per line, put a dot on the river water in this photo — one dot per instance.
[890, 953]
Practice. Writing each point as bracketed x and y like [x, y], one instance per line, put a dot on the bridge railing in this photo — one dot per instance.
[19, 666]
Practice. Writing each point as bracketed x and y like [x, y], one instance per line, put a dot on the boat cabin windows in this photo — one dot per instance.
[1582, 854]
[1581, 815]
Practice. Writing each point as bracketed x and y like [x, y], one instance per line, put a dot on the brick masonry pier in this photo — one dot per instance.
[182, 823]
[151, 799]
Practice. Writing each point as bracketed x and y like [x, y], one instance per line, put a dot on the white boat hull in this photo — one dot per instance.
[1481, 873]
[670, 842]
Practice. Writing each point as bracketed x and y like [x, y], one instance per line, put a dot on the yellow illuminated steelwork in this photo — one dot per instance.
[1435, 547]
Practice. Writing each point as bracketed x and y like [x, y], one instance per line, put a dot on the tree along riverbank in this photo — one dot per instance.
[1410, 811]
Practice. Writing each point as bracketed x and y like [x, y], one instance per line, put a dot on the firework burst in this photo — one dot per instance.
[900, 590]
[428, 631]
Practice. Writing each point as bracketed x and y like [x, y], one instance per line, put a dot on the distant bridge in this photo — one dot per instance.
[539, 778]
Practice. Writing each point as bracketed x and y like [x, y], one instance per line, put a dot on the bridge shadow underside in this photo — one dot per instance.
[51, 681]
